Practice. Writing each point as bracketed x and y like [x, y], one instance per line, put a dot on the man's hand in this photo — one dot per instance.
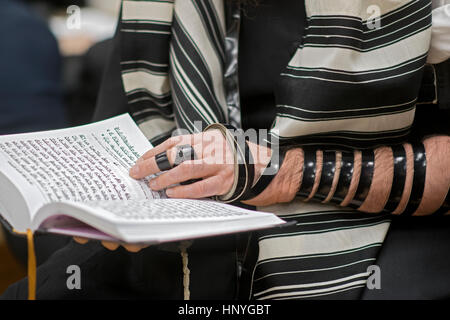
[214, 166]
[113, 245]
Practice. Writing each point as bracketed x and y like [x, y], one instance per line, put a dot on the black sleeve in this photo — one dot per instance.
[443, 84]
[111, 99]
[432, 115]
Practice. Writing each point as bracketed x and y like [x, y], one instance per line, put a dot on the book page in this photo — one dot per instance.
[168, 210]
[156, 221]
[86, 163]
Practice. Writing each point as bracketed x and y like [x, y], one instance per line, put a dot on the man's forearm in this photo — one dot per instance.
[416, 183]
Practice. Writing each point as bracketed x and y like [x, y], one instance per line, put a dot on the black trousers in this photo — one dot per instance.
[153, 273]
[414, 262]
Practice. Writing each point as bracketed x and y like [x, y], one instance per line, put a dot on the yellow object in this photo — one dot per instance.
[31, 266]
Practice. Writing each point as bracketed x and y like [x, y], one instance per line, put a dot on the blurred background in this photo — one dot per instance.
[52, 56]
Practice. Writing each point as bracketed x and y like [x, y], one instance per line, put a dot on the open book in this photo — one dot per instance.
[75, 182]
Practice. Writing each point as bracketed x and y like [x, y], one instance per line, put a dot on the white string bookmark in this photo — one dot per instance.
[186, 272]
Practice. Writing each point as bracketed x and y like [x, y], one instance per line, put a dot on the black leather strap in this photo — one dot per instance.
[398, 183]
[242, 174]
[365, 179]
[420, 167]
[250, 171]
[162, 161]
[327, 176]
[241, 150]
[268, 174]
[309, 173]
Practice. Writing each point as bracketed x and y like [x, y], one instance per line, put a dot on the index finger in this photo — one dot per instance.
[144, 168]
[169, 143]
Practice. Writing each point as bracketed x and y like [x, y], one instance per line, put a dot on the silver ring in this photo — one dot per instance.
[184, 153]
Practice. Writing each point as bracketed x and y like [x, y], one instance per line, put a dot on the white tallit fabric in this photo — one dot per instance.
[440, 36]
[352, 83]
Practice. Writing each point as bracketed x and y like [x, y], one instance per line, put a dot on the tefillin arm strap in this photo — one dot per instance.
[347, 170]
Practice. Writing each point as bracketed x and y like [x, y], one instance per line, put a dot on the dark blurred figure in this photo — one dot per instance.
[82, 73]
[30, 91]
[82, 79]
[30, 72]
[44, 7]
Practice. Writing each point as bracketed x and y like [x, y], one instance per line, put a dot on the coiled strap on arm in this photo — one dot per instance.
[334, 185]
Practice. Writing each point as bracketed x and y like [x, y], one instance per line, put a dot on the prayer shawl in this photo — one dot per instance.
[352, 83]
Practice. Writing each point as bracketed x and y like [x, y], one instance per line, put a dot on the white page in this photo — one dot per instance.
[86, 163]
[168, 211]
[151, 221]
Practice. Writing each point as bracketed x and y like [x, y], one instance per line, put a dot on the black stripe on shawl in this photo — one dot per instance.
[313, 261]
[210, 21]
[130, 66]
[356, 78]
[135, 47]
[391, 17]
[145, 106]
[205, 87]
[145, 25]
[320, 95]
[341, 271]
[364, 46]
[184, 116]
[310, 116]
[346, 143]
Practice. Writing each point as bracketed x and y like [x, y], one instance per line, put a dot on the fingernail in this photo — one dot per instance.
[153, 184]
[169, 192]
[134, 171]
